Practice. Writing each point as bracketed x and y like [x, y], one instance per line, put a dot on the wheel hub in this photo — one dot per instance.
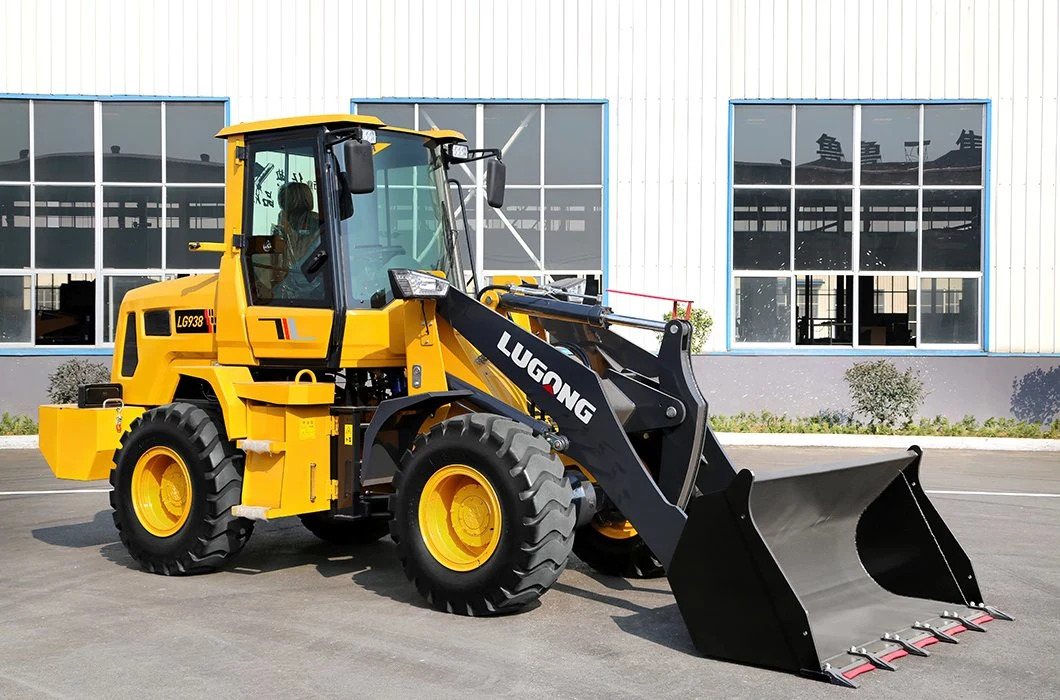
[459, 517]
[161, 485]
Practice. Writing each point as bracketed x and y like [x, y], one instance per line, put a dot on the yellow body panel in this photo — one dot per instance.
[288, 465]
[287, 393]
[374, 337]
[289, 333]
[79, 443]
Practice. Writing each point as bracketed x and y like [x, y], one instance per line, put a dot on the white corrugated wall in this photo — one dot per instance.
[668, 70]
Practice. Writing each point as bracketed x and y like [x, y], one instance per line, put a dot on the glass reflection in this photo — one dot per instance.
[823, 226]
[14, 141]
[573, 229]
[573, 147]
[761, 229]
[824, 309]
[890, 144]
[952, 230]
[888, 229]
[505, 250]
[63, 141]
[953, 144]
[763, 309]
[66, 309]
[132, 141]
[761, 144]
[949, 310]
[14, 226]
[132, 227]
[887, 310]
[193, 154]
[516, 129]
[14, 309]
[824, 136]
[66, 226]
[193, 214]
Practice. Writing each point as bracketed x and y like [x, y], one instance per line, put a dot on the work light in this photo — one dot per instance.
[413, 284]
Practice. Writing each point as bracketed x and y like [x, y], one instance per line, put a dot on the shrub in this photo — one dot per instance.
[17, 425]
[888, 397]
[702, 323]
[63, 382]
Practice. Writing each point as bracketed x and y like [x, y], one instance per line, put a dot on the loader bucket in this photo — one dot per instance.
[826, 572]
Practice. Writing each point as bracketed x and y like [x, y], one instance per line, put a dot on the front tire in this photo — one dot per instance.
[482, 515]
[175, 480]
[614, 549]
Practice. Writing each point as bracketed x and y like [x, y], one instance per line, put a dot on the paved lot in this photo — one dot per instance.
[296, 617]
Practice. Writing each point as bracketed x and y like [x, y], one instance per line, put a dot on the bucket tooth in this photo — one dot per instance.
[837, 678]
[871, 658]
[991, 611]
[968, 624]
[935, 632]
[908, 647]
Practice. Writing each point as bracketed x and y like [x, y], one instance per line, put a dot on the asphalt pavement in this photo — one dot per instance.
[297, 617]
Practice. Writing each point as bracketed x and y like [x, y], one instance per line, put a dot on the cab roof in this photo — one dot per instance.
[335, 120]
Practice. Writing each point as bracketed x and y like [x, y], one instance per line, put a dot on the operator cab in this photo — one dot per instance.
[329, 208]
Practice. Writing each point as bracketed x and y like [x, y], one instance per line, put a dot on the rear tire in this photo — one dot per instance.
[355, 532]
[176, 478]
[628, 557]
[482, 515]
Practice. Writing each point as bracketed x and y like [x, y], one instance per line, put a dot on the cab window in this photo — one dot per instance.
[286, 227]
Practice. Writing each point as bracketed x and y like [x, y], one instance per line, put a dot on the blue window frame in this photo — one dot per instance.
[554, 222]
[858, 226]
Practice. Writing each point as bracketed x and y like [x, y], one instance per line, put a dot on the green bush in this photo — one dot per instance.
[63, 382]
[702, 323]
[888, 397]
[17, 425]
[839, 422]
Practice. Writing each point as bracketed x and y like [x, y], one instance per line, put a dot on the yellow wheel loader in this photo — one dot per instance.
[342, 366]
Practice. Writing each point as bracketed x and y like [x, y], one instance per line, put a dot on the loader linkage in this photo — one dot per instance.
[827, 572]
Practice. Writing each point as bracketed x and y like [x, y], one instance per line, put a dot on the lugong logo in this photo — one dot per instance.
[552, 382]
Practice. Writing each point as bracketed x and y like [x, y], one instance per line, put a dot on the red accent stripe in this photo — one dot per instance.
[858, 670]
[982, 618]
[896, 654]
[206, 315]
[286, 330]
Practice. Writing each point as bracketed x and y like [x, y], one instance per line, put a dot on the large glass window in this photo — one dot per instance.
[871, 214]
[551, 225]
[103, 198]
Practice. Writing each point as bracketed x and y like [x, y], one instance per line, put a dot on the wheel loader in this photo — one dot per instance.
[344, 367]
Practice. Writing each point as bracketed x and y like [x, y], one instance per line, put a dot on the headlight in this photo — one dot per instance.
[413, 284]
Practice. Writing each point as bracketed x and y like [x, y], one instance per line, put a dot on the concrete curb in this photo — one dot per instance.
[933, 442]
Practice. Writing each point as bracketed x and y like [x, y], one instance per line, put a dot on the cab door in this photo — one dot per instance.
[290, 286]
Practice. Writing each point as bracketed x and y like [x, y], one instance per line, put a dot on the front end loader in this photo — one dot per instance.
[341, 367]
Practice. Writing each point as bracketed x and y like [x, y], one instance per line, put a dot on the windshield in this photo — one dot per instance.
[404, 223]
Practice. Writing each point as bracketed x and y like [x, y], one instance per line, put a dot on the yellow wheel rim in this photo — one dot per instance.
[161, 491]
[616, 531]
[460, 517]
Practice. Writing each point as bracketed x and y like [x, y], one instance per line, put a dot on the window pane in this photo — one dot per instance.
[193, 152]
[132, 227]
[824, 137]
[573, 229]
[888, 229]
[193, 214]
[887, 310]
[14, 226]
[823, 225]
[14, 140]
[132, 141]
[516, 129]
[761, 146]
[14, 310]
[403, 115]
[66, 309]
[459, 117]
[952, 229]
[501, 247]
[114, 290]
[953, 145]
[573, 144]
[63, 141]
[824, 309]
[949, 310]
[66, 226]
[761, 229]
[763, 309]
[890, 142]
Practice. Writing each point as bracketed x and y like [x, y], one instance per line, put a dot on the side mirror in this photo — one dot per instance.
[495, 175]
[360, 168]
